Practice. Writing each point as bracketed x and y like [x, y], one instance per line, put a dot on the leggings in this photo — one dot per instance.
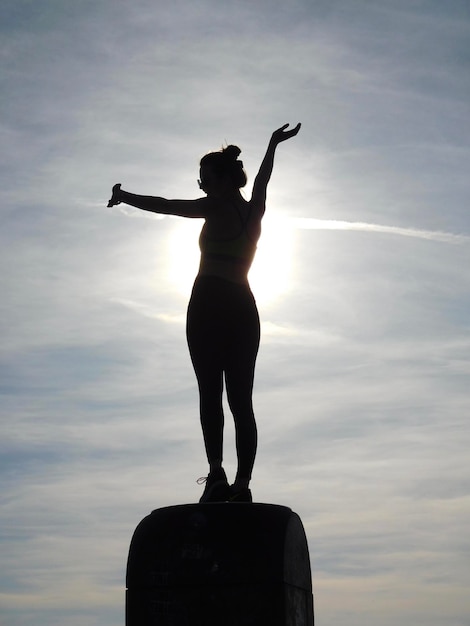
[223, 333]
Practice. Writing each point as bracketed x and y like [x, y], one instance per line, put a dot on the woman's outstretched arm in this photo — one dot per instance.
[262, 178]
[183, 208]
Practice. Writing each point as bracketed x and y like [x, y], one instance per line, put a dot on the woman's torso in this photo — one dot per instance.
[228, 240]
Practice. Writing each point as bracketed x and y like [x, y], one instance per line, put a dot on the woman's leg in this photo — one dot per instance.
[239, 392]
[211, 411]
[239, 377]
[204, 346]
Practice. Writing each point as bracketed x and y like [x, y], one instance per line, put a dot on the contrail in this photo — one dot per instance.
[308, 223]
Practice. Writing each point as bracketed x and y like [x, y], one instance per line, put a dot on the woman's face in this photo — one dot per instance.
[207, 178]
[212, 184]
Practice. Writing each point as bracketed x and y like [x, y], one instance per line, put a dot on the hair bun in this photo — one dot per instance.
[231, 152]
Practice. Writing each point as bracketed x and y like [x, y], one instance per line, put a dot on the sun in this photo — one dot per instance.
[271, 272]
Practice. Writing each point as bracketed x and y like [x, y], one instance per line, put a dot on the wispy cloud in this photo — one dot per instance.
[306, 223]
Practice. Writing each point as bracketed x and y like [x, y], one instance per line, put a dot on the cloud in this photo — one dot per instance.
[318, 224]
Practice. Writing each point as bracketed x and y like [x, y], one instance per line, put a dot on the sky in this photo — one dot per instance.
[362, 281]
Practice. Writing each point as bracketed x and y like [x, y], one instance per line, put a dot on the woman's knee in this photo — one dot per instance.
[241, 404]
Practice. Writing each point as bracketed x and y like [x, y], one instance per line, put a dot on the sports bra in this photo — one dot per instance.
[239, 249]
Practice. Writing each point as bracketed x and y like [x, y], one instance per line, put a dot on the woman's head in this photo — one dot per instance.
[222, 166]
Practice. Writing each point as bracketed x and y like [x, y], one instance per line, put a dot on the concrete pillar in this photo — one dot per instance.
[219, 564]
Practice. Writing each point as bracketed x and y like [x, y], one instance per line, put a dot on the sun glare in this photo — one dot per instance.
[271, 271]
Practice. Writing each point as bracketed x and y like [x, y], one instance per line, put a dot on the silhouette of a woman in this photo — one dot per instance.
[223, 329]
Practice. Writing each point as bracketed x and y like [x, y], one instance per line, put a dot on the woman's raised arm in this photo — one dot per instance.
[155, 204]
[262, 178]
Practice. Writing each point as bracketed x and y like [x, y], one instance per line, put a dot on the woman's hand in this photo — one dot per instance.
[281, 134]
[115, 197]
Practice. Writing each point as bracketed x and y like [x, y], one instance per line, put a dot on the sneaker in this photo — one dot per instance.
[240, 495]
[217, 488]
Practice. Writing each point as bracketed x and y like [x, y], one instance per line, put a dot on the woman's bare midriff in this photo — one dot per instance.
[223, 269]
